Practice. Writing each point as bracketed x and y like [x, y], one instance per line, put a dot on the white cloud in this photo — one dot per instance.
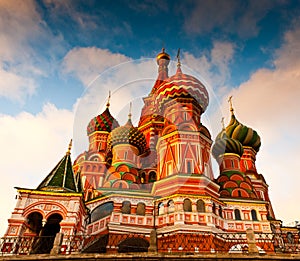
[23, 37]
[87, 63]
[31, 147]
[15, 87]
[269, 102]
[19, 22]
[214, 66]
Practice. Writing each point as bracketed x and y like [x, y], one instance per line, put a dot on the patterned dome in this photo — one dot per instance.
[128, 134]
[182, 85]
[245, 135]
[102, 122]
[224, 144]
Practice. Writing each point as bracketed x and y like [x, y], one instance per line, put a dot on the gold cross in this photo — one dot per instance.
[230, 102]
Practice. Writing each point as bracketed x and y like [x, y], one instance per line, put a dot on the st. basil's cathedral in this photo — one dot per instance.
[149, 186]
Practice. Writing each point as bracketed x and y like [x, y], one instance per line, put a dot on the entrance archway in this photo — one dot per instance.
[44, 242]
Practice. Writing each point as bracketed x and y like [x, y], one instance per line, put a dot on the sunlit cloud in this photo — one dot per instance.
[32, 145]
[269, 102]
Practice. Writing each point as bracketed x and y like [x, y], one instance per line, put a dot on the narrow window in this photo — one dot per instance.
[152, 176]
[189, 166]
[185, 116]
[161, 207]
[220, 212]
[187, 205]
[126, 207]
[171, 206]
[254, 215]
[200, 206]
[141, 208]
[169, 168]
[237, 214]
[214, 208]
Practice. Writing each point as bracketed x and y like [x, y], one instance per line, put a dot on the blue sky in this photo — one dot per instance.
[59, 59]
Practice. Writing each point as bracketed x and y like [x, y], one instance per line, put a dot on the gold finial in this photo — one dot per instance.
[69, 148]
[130, 108]
[230, 103]
[178, 58]
[223, 124]
[108, 100]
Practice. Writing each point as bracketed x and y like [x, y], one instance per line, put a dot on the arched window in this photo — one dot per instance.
[126, 207]
[290, 238]
[189, 166]
[161, 207]
[254, 215]
[140, 209]
[237, 214]
[45, 243]
[220, 212]
[152, 176]
[143, 177]
[187, 205]
[102, 211]
[34, 221]
[214, 208]
[200, 206]
[171, 207]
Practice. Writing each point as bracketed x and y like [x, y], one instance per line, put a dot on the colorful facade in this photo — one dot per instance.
[153, 181]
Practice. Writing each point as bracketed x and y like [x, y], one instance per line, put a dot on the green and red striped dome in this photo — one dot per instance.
[182, 85]
[102, 122]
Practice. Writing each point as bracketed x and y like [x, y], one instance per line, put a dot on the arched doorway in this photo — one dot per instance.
[34, 224]
[96, 246]
[44, 242]
[133, 244]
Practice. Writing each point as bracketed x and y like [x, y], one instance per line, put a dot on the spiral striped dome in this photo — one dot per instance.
[224, 144]
[182, 85]
[102, 122]
[245, 135]
[128, 134]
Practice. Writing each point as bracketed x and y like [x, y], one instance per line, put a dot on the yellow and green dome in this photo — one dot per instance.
[128, 134]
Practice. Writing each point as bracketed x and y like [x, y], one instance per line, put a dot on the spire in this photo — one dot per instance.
[129, 122]
[61, 178]
[163, 60]
[69, 148]
[230, 103]
[178, 62]
[130, 109]
[108, 100]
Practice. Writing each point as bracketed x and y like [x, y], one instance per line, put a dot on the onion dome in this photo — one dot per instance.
[128, 134]
[245, 135]
[162, 55]
[184, 86]
[102, 122]
[224, 144]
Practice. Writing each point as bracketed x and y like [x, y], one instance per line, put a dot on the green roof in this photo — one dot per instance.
[61, 178]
